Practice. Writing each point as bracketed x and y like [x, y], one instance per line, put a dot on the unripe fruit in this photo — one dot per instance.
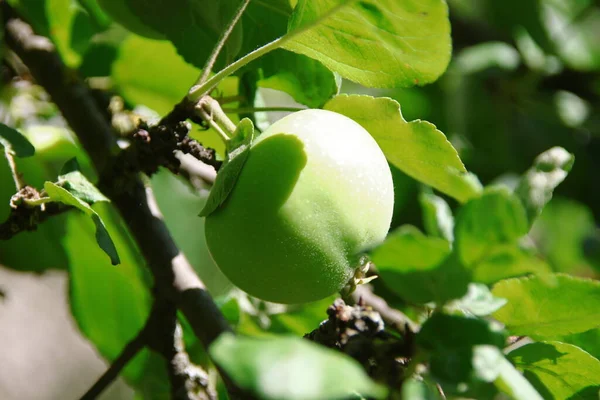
[315, 192]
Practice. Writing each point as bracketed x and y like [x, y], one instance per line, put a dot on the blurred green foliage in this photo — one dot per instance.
[524, 78]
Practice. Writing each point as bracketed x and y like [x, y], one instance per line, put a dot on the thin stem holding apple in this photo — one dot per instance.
[210, 111]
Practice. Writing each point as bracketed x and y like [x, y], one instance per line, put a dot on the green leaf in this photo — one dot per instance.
[301, 319]
[559, 370]
[308, 81]
[71, 29]
[588, 341]
[437, 216]
[110, 305]
[549, 170]
[454, 345]
[511, 382]
[415, 389]
[59, 194]
[419, 268]
[483, 224]
[231, 169]
[140, 73]
[561, 233]
[508, 261]
[442, 332]
[151, 73]
[78, 185]
[549, 306]
[478, 301]
[16, 141]
[288, 367]
[417, 148]
[122, 14]
[189, 24]
[17, 253]
[197, 22]
[95, 11]
[384, 43]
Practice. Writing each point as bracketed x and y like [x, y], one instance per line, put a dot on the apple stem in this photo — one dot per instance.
[210, 111]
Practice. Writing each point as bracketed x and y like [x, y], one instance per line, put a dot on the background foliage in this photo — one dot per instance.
[471, 257]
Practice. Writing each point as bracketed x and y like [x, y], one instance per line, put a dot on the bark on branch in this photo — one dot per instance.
[173, 275]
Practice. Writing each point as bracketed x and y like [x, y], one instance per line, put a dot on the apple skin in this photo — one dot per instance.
[314, 193]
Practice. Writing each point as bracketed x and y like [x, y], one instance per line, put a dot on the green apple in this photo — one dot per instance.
[315, 192]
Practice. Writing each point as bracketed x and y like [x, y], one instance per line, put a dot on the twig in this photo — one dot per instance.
[221, 42]
[23, 217]
[359, 332]
[363, 294]
[132, 348]
[174, 276]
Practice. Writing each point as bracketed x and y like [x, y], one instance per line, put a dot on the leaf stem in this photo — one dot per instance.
[10, 157]
[37, 202]
[245, 110]
[200, 90]
[211, 122]
[221, 42]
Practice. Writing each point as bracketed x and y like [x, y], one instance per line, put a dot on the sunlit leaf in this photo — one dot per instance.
[59, 194]
[288, 367]
[478, 301]
[559, 370]
[437, 216]
[419, 268]
[416, 148]
[549, 306]
[511, 382]
[384, 43]
[549, 170]
[110, 304]
[485, 223]
[563, 233]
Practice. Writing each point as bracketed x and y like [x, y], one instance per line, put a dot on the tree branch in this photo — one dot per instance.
[364, 295]
[162, 334]
[132, 348]
[173, 275]
[165, 336]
